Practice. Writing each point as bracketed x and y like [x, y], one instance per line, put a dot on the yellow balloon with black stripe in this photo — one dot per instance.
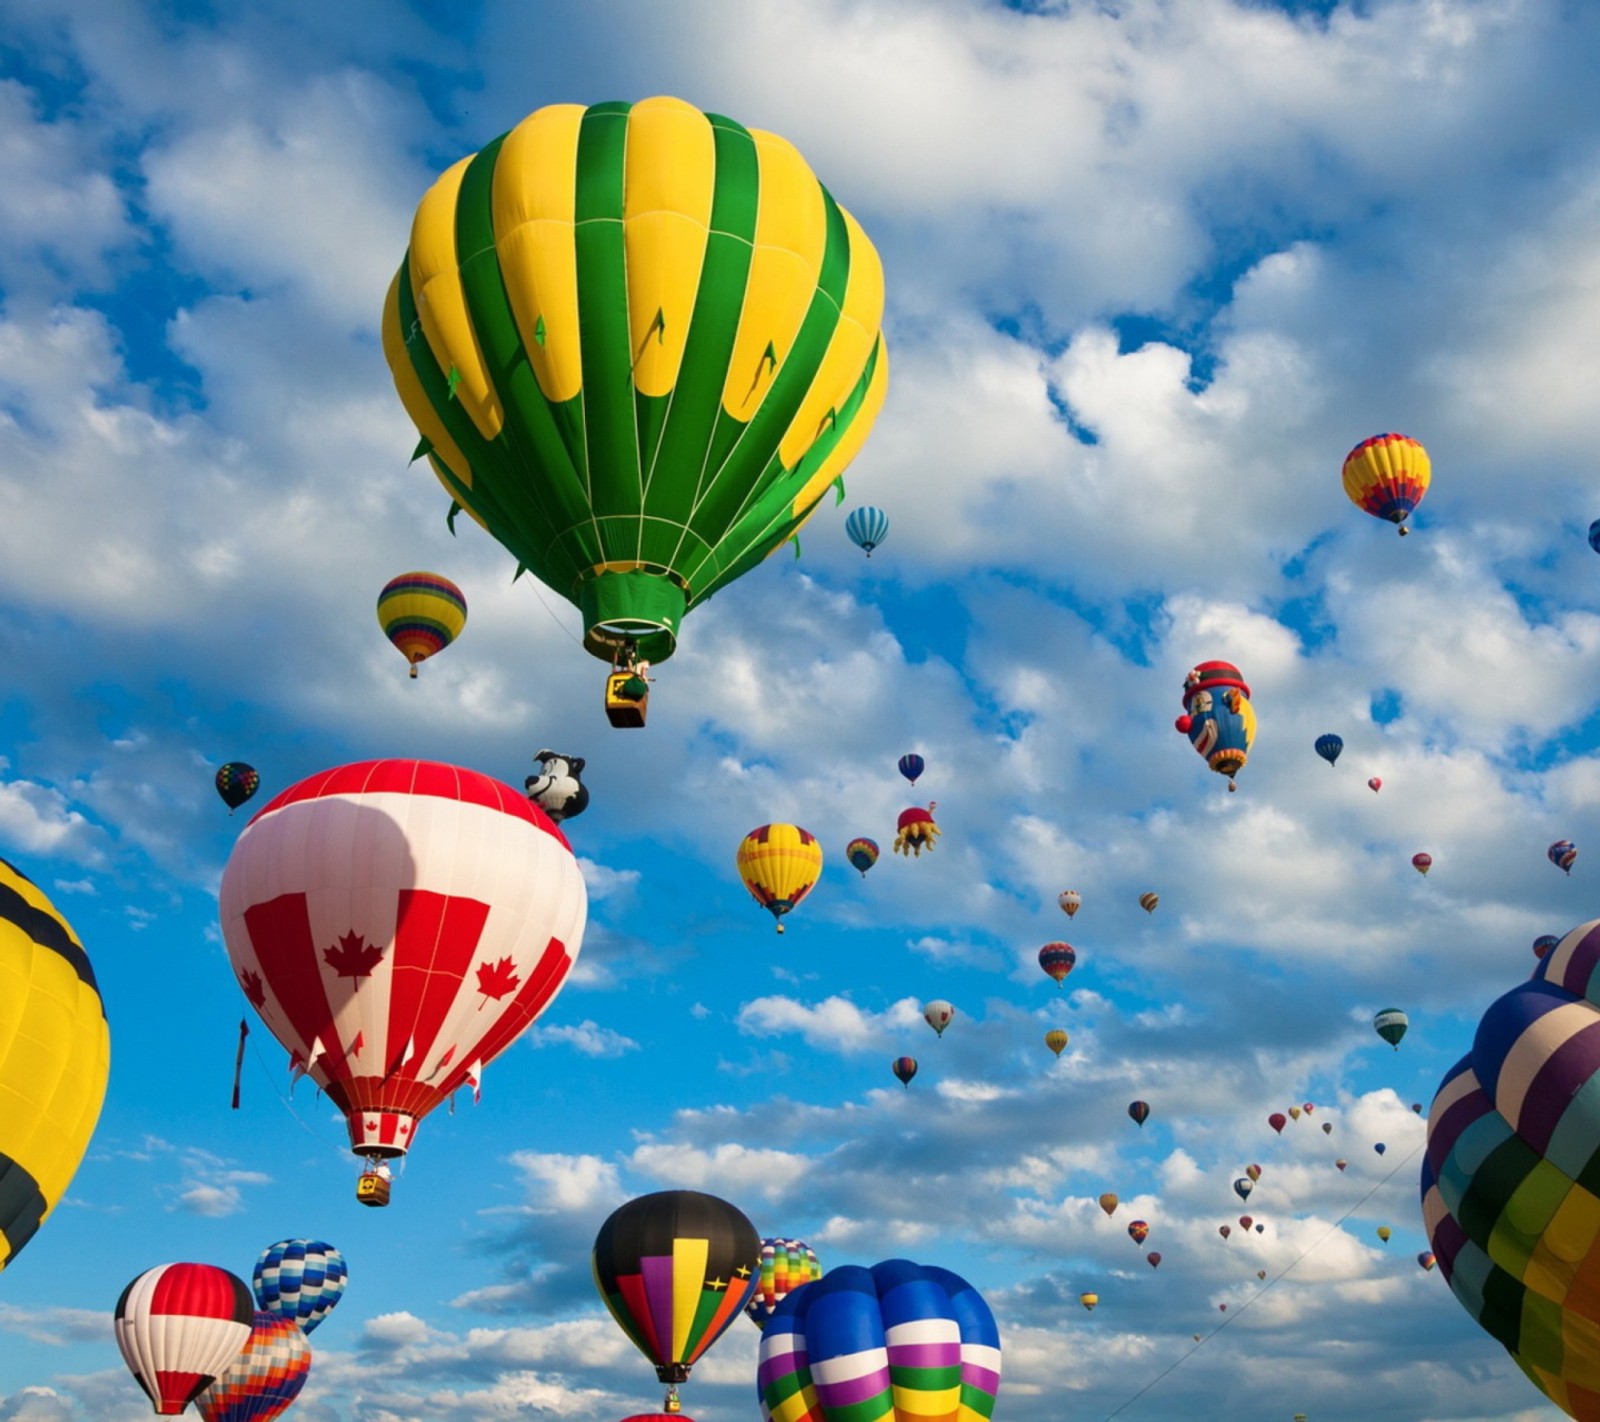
[55, 1055]
[779, 865]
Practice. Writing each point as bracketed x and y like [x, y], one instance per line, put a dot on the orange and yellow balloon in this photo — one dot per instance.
[1386, 476]
[421, 613]
[779, 865]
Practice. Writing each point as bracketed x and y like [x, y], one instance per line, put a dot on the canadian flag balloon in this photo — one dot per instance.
[397, 924]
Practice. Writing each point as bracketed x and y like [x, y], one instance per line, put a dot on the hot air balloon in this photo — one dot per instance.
[1327, 1128]
[786, 1264]
[1277, 1120]
[938, 1014]
[1149, 901]
[397, 924]
[1386, 476]
[1380, 1147]
[236, 783]
[640, 343]
[178, 1327]
[1261, 1273]
[912, 765]
[1108, 1203]
[904, 1069]
[264, 1379]
[1594, 535]
[1563, 854]
[867, 527]
[1426, 1259]
[301, 1279]
[1261, 1229]
[558, 788]
[1416, 1108]
[1224, 1230]
[1056, 1040]
[895, 1342]
[779, 865]
[1089, 1301]
[1139, 1231]
[1253, 1171]
[1243, 1186]
[1422, 862]
[1341, 1163]
[674, 1269]
[1245, 1221]
[862, 854]
[1307, 1107]
[1070, 900]
[1374, 784]
[1057, 960]
[421, 613]
[55, 1056]
[1328, 747]
[1139, 1112]
[1217, 716]
[1544, 943]
[916, 831]
[1384, 1232]
[1294, 1113]
[1153, 1259]
[1391, 1024]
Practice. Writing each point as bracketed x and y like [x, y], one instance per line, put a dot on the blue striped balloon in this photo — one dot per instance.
[300, 1279]
[867, 527]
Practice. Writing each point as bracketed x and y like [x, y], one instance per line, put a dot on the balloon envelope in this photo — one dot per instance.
[299, 1279]
[1108, 1203]
[265, 1377]
[1056, 1039]
[1148, 902]
[236, 783]
[1375, 785]
[1328, 747]
[780, 865]
[786, 1264]
[1563, 854]
[1070, 900]
[1139, 1112]
[912, 765]
[862, 854]
[1422, 862]
[1387, 476]
[421, 613]
[1057, 960]
[1391, 1025]
[938, 1014]
[178, 1327]
[867, 527]
[1217, 716]
[904, 1069]
[1544, 943]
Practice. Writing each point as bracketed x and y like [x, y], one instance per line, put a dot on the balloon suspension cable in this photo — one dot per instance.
[288, 1105]
[554, 617]
[1332, 1228]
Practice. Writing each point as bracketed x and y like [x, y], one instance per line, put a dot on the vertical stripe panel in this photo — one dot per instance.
[689, 1259]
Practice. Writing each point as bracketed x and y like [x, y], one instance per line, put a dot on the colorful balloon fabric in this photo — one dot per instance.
[1384, 1233]
[1328, 747]
[1089, 1300]
[236, 783]
[1563, 854]
[1387, 476]
[1426, 1259]
[786, 1264]
[1148, 902]
[1341, 1163]
[1594, 535]
[1070, 900]
[264, 1379]
[1246, 1221]
[1057, 960]
[178, 1327]
[1391, 1025]
[1243, 1186]
[912, 765]
[55, 1057]
[899, 1342]
[867, 527]
[1153, 1259]
[1277, 1120]
[1217, 716]
[938, 1014]
[1139, 1231]
[1108, 1203]
[299, 1279]
[1422, 862]
[640, 343]
[780, 865]
[675, 1268]
[1056, 1040]
[904, 1069]
[1139, 1112]
[1544, 943]
[1294, 1113]
[862, 854]
[1375, 785]
[1225, 1230]
[421, 613]
[1253, 1171]
[397, 924]
[915, 830]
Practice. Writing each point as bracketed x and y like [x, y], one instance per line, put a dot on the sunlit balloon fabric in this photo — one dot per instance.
[675, 1268]
[421, 613]
[55, 1054]
[1391, 1025]
[640, 343]
[236, 783]
[264, 1379]
[1057, 960]
[1511, 1181]
[899, 1342]
[1387, 476]
[862, 854]
[397, 924]
[867, 527]
[780, 864]
[178, 1327]
[786, 1264]
[1217, 716]
[300, 1279]
[1563, 854]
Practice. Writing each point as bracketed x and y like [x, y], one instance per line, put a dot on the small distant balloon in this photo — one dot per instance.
[1374, 784]
[1277, 1120]
[1139, 1112]
[421, 613]
[1391, 1025]
[1544, 943]
[1253, 1171]
[1224, 1230]
[1594, 535]
[1139, 1231]
[1153, 1258]
[1148, 902]
[1070, 900]
[1384, 1232]
[1327, 1128]
[1057, 960]
[1108, 1203]
[1294, 1113]
[1417, 1107]
[1341, 1162]
[1426, 1259]
[912, 765]
[779, 864]
[1307, 1107]
[938, 1014]
[1261, 1273]
[1056, 1039]
[1328, 747]
[1422, 862]
[1089, 1301]
[1380, 1147]
[236, 783]
[862, 854]
[1386, 476]
[916, 831]
[904, 1069]
[1563, 854]
[1246, 1221]
[1243, 1186]
[867, 527]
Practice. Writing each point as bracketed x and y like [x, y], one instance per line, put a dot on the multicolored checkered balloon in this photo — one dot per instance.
[266, 1376]
[1511, 1182]
[299, 1279]
[785, 1265]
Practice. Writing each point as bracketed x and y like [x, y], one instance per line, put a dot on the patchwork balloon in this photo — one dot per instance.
[1057, 960]
[1139, 1112]
[262, 1382]
[1056, 1039]
[786, 1264]
[780, 865]
[1386, 476]
[1563, 854]
[421, 613]
[1070, 900]
[236, 783]
[904, 1068]
[178, 1326]
[1391, 1025]
[299, 1279]
[862, 854]
[912, 765]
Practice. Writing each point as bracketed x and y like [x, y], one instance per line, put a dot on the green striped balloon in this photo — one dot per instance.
[639, 342]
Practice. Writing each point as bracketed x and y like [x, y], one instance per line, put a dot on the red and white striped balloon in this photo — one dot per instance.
[179, 1326]
[397, 924]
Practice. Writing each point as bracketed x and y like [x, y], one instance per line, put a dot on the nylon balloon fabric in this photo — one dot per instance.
[299, 1279]
[1511, 1180]
[266, 1377]
[899, 1342]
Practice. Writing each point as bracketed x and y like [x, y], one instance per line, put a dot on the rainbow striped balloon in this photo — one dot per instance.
[786, 1264]
[1511, 1182]
[421, 613]
[899, 1342]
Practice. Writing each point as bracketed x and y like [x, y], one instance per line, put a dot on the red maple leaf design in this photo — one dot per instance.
[254, 989]
[498, 979]
[354, 957]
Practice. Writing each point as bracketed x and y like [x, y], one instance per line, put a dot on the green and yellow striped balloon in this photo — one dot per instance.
[639, 342]
[55, 1055]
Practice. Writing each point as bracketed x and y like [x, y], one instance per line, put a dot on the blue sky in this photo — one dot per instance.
[1152, 269]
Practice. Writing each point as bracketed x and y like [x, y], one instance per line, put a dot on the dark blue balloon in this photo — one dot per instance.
[1329, 746]
[911, 766]
[1594, 535]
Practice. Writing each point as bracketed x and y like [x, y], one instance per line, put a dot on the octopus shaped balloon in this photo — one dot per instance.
[916, 831]
[1217, 716]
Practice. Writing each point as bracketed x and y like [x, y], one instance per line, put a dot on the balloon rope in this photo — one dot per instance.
[1184, 1358]
[553, 617]
[288, 1105]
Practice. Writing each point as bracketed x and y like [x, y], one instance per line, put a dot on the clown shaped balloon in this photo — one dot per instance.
[1217, 716]
[916, 831]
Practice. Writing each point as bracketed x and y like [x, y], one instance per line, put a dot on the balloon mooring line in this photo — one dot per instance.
[1195, 1348]
[288, 1105]
[576, 641]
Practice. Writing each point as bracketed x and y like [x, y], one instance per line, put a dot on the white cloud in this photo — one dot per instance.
[834, 1024]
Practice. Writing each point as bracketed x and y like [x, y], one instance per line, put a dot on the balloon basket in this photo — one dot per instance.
[372, 1189]
[623, 709]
